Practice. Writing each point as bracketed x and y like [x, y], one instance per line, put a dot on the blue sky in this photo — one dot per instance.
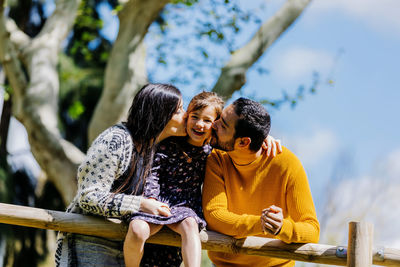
[352, 126]
[356, 116]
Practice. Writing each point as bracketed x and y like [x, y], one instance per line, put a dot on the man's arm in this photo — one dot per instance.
[301, 224]
[215, 206]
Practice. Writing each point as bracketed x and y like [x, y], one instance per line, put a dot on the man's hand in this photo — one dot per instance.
[272, 145]
[272, 219]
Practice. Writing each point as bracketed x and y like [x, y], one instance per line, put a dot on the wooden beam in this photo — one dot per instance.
[111, 228]
[61, 221]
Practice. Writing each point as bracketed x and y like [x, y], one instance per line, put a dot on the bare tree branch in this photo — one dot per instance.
[233, 74]
[17, 37]
[124, 77]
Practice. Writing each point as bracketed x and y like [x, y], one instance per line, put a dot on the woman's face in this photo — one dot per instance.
[176, 125]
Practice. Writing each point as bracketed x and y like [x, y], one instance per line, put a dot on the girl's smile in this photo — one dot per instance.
[199, 133]
[199, 125]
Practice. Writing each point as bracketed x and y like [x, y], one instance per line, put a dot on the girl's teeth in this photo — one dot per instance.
[197, 132]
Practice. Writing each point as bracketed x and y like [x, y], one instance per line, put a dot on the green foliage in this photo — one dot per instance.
[184, 2]
[86, 46]
[80, 89]
[5, 182]
[76, 110]
[7, 91]
[81, 70]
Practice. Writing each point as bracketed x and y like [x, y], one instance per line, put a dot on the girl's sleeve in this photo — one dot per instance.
[106, 160]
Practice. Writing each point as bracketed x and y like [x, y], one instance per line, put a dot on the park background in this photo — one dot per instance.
[332, 77]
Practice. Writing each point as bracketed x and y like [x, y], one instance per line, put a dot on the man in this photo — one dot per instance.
[247, 193]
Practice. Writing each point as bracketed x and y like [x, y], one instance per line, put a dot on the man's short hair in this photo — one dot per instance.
[254, 122]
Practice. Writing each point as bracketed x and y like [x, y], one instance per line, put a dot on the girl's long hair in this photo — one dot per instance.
[151, 110]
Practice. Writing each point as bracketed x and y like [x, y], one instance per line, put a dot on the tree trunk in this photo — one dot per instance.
[126, 69]
[35, 98]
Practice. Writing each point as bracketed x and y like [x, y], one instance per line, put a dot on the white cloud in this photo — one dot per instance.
[372, 198]
[314, 148]
[392, 165]
[382, 15]
[299, 62]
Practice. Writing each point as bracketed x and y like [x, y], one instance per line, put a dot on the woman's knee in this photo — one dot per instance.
[140, 230]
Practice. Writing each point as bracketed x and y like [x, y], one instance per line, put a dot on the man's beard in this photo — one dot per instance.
[224, 146]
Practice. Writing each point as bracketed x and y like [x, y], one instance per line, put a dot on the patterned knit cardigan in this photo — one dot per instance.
[108, 158]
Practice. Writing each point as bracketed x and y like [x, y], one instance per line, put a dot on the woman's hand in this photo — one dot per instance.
[272, 145]
[152, 206]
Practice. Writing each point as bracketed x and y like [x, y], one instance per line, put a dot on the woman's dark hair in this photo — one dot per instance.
[254, 122]
[151, 110]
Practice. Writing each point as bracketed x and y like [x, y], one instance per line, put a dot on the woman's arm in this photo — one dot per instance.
[107, 159]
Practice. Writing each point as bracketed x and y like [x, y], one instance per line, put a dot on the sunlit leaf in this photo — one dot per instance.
[76, 110]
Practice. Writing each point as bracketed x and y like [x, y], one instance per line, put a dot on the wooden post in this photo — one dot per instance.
[359, 250]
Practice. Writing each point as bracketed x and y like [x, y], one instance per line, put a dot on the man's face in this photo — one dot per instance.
[224, 130]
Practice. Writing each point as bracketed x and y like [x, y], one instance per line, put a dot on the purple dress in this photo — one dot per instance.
[177, 178]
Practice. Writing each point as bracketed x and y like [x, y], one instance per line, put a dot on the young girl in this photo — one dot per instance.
[177, 177]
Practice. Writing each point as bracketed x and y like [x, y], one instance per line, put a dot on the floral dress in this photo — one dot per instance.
[177, 178]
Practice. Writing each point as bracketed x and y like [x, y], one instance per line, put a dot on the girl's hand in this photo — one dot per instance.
[152, 206]
[272, 145]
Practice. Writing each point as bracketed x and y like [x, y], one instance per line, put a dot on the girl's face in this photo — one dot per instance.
[199, 125]
[176, 125]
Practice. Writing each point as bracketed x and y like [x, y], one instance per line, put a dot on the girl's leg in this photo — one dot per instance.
[191, 245]
[138, 232]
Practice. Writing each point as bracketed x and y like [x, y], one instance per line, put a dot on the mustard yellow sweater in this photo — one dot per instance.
[234, 196]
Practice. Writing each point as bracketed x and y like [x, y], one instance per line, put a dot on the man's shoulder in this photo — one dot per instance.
[217, 158]
[286, 154]
[217, 154]
[286, 159]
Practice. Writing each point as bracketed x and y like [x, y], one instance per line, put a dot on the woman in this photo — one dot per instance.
[111, 179]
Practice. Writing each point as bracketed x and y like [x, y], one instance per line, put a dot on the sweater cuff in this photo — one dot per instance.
[131, 204]
[258, 227]
[286, 231]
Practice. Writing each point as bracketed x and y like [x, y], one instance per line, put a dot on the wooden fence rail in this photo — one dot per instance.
[108, 228]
